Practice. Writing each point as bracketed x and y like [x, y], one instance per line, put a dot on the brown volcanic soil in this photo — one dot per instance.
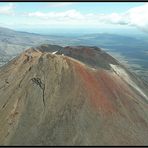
[58, 100]
[92, 56]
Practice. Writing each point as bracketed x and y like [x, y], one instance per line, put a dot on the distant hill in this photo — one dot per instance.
[14, 42]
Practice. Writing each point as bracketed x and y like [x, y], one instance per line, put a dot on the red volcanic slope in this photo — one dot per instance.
[58, 100]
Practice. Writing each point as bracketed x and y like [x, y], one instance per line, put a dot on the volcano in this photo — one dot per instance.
[74, 95]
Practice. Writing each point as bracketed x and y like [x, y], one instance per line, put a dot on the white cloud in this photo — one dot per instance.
[73, 14]
[69, 17]
[136, 16]
[7, 9]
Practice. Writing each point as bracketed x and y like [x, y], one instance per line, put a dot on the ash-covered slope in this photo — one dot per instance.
[55, 99]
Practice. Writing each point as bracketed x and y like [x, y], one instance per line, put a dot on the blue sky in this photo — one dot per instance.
[85, 7]
[93, 15]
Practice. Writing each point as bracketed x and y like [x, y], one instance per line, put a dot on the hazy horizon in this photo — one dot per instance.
[82, 31]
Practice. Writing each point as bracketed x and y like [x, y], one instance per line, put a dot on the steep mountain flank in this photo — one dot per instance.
[73, 97]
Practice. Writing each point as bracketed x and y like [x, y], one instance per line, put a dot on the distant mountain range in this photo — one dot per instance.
[73, 95]
[13, 42]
